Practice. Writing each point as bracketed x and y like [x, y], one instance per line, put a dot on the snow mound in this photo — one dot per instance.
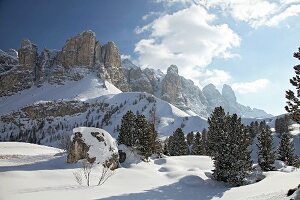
[20, 148]
[101, 145]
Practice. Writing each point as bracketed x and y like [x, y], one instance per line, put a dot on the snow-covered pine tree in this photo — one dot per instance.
[197, 148]
[286, 150]
[177, 144]
[253, 129]
[204, 141]
[282, 124]
[144, 133]
[127, 130]
[266, 155]
[190, 140]
[293, 103]
[228, 145]
[166, 147]
[216, 131]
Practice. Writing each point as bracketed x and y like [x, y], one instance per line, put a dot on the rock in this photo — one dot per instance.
[28, 55]
[79, 50]
[122, 156]
[127, 64]
[112, 70]
[228, 93]
[12, 52]
[138, 80]
[94, 144]
[171, 86]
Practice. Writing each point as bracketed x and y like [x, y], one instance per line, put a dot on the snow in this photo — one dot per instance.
[13, 148]
[102, 151]
[87, 88]
[183, 177]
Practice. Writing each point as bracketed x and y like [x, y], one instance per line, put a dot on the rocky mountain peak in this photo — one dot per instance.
[127, 64]
[228, 93]
[173, 69]
[79, 50]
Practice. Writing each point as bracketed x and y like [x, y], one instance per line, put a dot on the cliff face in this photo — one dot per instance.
[22, 70]
[184, 94]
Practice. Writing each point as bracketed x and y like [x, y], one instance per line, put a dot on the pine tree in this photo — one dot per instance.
[198, 148]
[144, 133]
[293, 102]
[203, 142]
[282, 125]
[190, 138]
[177, 144]
[166, 147]
[228, 142]
[190, 141]
[216, 131]
[127, 131]
[266, 156]
[286, 150]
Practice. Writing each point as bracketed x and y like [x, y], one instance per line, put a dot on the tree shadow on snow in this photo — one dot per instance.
[53, 163]
[189, 187]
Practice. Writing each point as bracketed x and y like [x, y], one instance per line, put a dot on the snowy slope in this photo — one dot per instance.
[183, 177]
[87, 88]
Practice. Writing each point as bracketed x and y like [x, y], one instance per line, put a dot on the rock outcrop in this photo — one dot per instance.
[183, 93]
[79, 50]
[112, 66]
[26, 68]
[28, 55]
[95, 145]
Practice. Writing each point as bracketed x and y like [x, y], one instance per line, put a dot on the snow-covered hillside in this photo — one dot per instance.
[47, 122]
[87, 88]
[24, 175]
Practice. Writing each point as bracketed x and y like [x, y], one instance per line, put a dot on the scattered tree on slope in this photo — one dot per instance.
[266, 156]
[228, 143]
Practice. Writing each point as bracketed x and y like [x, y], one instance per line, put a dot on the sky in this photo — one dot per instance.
[247, 44]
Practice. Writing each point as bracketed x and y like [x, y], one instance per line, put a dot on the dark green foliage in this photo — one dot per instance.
[127, 131]
[198, 146]
[177, 145]
[190, 138]
[293, 102]
[144, 136]
[282, 124]
[253, 129]
[228, 142]
[286, 150]
[216, 130]
[266, 156]
[138, 133]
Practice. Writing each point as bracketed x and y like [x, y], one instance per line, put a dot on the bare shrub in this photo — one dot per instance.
[106, 174]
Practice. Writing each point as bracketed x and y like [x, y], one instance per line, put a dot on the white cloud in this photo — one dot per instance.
[150, 14]
[215, 76]
[125, 57]
[188, 38]
[254, 12]
[250, 87]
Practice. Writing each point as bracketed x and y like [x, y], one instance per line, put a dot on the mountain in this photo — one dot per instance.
[184, 94]
[28, 68]
[44, 96]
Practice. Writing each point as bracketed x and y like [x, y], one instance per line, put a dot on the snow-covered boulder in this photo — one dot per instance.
[94, 144]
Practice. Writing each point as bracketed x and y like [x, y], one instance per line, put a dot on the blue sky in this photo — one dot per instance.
[245, 43]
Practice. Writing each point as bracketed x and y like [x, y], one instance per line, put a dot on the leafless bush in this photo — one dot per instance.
[78, 177]
[87, 169]
[106, 174]
[85, 172]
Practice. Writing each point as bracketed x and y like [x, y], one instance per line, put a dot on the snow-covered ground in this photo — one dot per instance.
[30, 171]
[87, 88]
